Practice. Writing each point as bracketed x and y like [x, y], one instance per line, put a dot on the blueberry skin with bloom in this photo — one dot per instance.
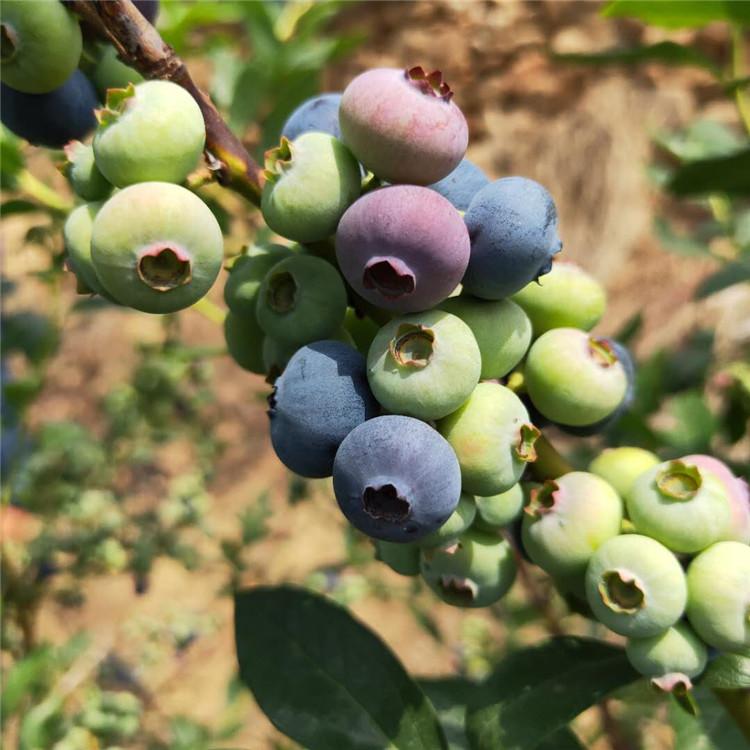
[53, 118]
[620, 467]
[403, 248]
[319, 399]
[396, 479]
[462, 184]
[512, 224]
[318, 114]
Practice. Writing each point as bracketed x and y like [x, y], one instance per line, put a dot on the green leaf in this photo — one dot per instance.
[324, 679]
[450, 695]
[668, 53]
[18, 207]
[728, 672]
[679, 14]
[677, 243]
[562, 739]
[722, 174]
[10, 157]
[535, 692]
[728, 275]
[694, 424]
[713, 729]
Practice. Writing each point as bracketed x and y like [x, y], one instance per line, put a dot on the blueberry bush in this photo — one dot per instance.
[425, 346]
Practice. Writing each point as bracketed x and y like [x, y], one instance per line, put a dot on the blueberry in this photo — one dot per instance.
[84, 176]
[719, 596]
[156, 247]
[475, 571]
[573, 378]
[501, 328]
[402, 248]
[396, 479]
[302, 299]
[567, 519]
[403, 126]
[460, 520]
[566, 297]
[492, 438]
[310, 182]
[620, 467]
[77, 239]
[40, 44]
[112, 73]
[361, 328]
[674, 656]
[53, 118]
[319, 399]
[462, 184]
[245, 339]
[424, 365]
[684, 507]
[246, 276]
[277, 353]
[635, 586]
[512, 223]
[319, 113]
[153, 131]
[496, 511]
[401, 557]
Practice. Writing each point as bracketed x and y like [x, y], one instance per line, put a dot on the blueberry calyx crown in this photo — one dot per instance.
[542, 499]
[431, 84]
[621, 592]
[117, 102]
[458, 588]
[384, 503]
[278, 160]
[271, 401]
[390, 276]
[70, 149]
[8, 42]
[679, 481]
[282, 292]
[164, 267]
[412, 346]
[602, 352]
[676, 683]
[525, 450]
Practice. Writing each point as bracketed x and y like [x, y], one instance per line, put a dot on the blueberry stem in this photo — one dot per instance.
[549, 463]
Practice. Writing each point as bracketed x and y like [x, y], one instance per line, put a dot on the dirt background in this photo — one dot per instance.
[585, 134]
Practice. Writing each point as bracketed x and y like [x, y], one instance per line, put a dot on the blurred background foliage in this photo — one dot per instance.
[103, 496]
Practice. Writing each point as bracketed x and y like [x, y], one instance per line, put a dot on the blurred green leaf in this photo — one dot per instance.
[678, 243]
[563, 676]
[728, 672]
[449, 696]
[9, 208]
[694, 424]
[723, 174]
[326, 680]
[688, 366]
[668, 53]
[27, 677]
[728, 275]
[700, 140]
[713, 729]
[11, 158]
[678, 14]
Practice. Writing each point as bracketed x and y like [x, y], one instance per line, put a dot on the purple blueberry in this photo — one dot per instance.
[403, 248]
[402, 125]
[54, 118]
[513, 228]
[318, 400]
[318, 114]
[396, 479]
[462, 184]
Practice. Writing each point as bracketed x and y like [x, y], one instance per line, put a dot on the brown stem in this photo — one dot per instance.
[549, 463]
[139, 44]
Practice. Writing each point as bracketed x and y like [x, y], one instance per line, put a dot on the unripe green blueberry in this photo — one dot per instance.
[622, 466]
[153, 131]
[362, 329]
[244, 339]
[492, 437]
[567, 519]
[77, 239]
[475, 571]
[423, 365]
[302, 299]
[501, 328]
[403, 558]
[675, 653]
[635, 586]
[156, 247]
[682, 506]
[40, 44]
[566, 297]
[719, 596]
[84, 176]
[246, 276]
[499, 510]
[112, 73]
[573, 378]
[310, 182]
[460, 520]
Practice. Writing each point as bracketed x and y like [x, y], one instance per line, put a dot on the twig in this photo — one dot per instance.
[139, 44]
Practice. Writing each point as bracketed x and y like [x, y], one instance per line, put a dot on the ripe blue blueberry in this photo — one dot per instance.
[319, 399]
[462, 184]
[397, 479]
[319, 113]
